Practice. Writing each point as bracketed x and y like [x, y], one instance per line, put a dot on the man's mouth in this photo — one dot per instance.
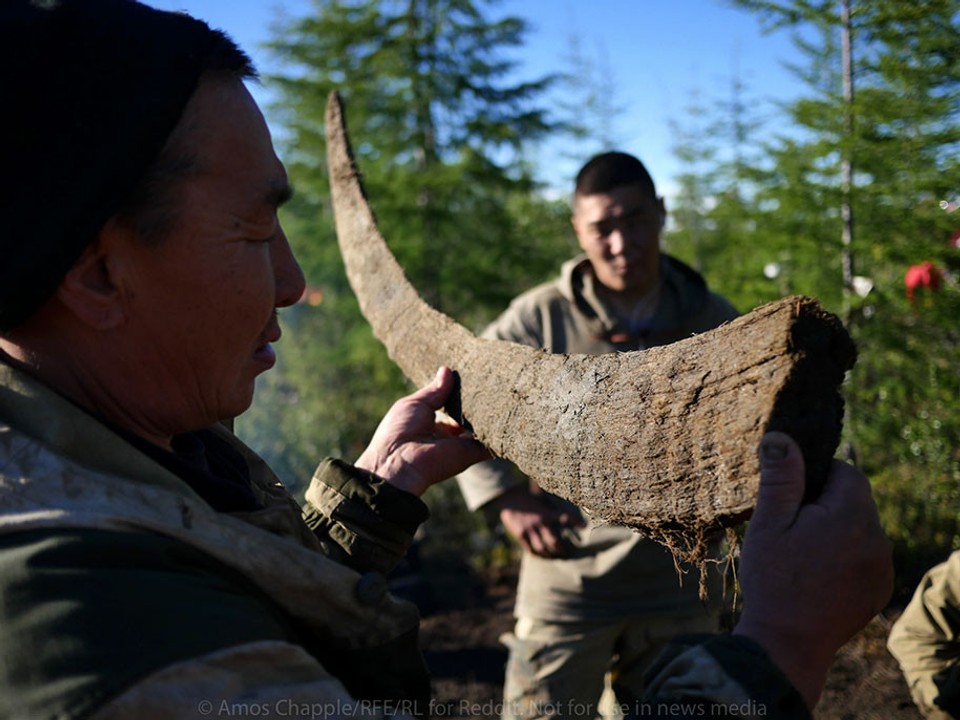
[265, 352]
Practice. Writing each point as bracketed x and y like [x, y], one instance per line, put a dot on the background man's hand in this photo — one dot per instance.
[813, 575]
[414, 447]
[536, 525]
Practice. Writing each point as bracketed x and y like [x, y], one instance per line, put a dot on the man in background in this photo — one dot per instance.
[925, 640]
[594, 598]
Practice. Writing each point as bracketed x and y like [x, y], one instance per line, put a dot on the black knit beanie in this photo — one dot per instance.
[90, 90]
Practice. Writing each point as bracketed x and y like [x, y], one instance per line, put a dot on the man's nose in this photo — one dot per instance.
[617, 241]
[290, 282]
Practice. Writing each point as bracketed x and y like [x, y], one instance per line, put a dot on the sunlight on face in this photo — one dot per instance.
[205, 297]
[620, 233]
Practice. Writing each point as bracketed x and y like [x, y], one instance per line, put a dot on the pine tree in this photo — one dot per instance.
[885, 155]
[440, 134]
[713, 214]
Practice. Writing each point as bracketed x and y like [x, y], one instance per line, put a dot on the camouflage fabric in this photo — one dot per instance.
[123, 594]
[718, 676]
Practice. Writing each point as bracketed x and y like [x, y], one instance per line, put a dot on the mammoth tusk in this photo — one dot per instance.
[662, 440]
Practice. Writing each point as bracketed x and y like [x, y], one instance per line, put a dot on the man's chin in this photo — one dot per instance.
[620, 283]
[237, 406]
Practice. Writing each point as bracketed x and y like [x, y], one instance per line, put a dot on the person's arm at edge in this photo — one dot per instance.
[925, 640]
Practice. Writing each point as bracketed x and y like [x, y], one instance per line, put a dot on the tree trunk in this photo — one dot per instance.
[663, 440]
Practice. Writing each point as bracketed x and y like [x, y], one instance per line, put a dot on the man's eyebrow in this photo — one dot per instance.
[627, 214]
[609, 223]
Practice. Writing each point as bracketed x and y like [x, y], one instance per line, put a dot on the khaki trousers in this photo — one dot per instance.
[586, 670]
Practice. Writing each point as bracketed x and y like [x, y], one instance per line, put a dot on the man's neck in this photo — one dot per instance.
[92, 391]
[632, 305]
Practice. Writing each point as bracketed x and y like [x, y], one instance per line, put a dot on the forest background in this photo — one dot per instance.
[836, 195]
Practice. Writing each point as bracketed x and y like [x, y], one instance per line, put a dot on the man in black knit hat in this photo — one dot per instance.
[143, 548]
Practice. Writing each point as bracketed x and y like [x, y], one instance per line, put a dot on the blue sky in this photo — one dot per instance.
[658, 53]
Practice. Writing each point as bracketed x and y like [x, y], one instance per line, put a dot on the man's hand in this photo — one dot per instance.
[414, 447]
[536, 525]
[813, 575]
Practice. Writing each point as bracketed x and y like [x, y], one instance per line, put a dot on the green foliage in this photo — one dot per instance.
[440, 139]
[442, 142]
[717, 214]
[903, 417]
[588, 105]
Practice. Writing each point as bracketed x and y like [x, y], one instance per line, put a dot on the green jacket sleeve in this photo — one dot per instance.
[87, 613]
[361, 520]
[722, 676]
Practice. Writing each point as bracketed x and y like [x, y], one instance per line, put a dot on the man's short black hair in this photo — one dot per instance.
[611, 170]
[92, 91]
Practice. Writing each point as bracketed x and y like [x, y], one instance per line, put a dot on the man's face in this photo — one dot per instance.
[202, 301]
[620, 233]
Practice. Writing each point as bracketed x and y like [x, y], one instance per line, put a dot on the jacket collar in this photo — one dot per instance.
[683, 294]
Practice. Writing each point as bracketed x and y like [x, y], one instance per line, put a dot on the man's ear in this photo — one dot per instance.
[662, 208]
[91, 290]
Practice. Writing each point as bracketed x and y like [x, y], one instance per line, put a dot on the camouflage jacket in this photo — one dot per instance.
[123, 594]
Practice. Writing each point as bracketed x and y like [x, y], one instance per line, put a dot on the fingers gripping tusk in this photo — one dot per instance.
[663, 440]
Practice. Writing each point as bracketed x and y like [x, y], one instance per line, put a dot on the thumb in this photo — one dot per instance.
[782, 479]
[436, 392]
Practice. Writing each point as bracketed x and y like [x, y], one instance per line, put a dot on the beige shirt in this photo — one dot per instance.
[926, 641]
[614, 572]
